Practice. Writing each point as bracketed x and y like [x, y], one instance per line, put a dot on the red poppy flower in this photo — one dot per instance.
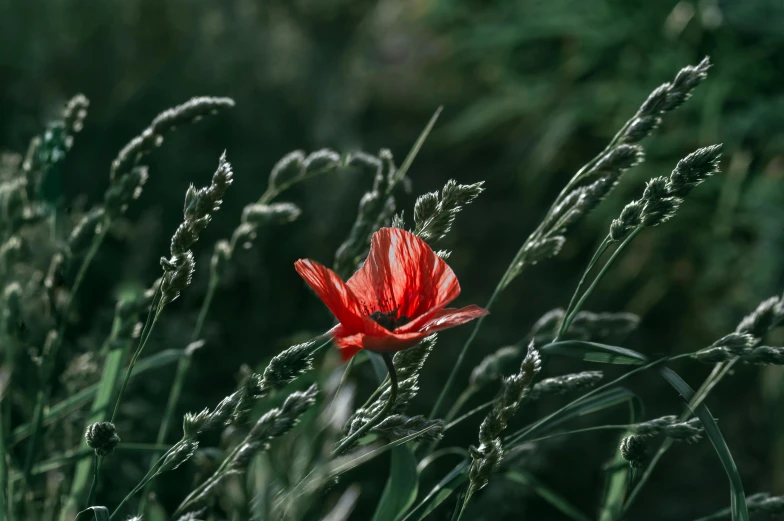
[397, 298]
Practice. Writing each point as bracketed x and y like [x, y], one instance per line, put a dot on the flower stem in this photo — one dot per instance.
[375, 420]
[96, 465]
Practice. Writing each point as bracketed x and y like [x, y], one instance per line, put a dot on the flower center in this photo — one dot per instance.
[389, 320]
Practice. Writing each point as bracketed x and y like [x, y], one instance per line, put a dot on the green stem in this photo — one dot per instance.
[183, 365]
[152, 318]
[96, 465]
[596, 256]
[577, 307]
[47, 365]
[717, 374]
[4, 512]
[467, 415]
[375, 420]
[144, 481]
[520, 435]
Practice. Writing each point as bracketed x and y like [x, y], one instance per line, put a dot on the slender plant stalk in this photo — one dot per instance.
[596, 256]
[143, 483]
[152, 318]
[461, 400]
[719, 371]
[567, 321]
[349, 441]
[522, 433]
[4, 512]
[47, 365]
[96, 465]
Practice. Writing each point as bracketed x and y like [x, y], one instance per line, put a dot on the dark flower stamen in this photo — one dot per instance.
[389, 320]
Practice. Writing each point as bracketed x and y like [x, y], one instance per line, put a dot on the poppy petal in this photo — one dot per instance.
[403, 272]
[391, 342]
[451, 317]
[333, 292]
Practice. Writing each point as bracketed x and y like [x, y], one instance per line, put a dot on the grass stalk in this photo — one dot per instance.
[375, 420]
[47, 365]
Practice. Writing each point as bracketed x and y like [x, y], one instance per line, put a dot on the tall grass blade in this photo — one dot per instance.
[401, 489]
[548, 494]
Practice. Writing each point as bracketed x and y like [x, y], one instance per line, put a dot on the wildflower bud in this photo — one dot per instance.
[102, 437]
[288, 169]
[634, 451]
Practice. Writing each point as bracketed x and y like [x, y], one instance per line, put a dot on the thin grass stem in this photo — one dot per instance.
[596, 256]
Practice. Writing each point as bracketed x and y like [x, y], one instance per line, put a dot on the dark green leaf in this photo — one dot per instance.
[401, 489]
[546, 493]
[594, 352]
[441, 492]
[738, 506]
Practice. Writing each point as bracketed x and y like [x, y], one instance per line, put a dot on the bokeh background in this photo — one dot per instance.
[531, 90]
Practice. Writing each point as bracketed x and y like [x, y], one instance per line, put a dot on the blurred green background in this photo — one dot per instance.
[531, 90]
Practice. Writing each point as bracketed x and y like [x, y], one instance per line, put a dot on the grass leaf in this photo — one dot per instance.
[594, 352]
[546, 493]
[738, 506]
[440, 492]
[401, 489]
[72, 403]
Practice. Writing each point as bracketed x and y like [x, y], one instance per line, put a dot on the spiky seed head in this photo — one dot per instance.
[102, 437]
[634, 450]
